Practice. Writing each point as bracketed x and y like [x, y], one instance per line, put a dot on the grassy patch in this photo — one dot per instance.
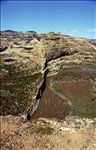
[76, 91]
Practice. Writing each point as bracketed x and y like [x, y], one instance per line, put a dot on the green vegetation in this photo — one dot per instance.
[17, 89]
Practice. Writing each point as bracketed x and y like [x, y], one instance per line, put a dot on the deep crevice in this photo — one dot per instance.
[43, 86]
[38, 97]
[32, 109]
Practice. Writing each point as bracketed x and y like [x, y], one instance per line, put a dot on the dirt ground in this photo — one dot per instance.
[45, 134]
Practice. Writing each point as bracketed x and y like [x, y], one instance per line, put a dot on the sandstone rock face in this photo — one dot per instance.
[50, 45]
[15, 37]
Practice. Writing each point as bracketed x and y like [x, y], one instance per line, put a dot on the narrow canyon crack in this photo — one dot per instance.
[57, 104]
[41, 89]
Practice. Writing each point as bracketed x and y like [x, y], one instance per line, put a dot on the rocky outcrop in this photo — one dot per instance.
[18, 36]
[49, 46]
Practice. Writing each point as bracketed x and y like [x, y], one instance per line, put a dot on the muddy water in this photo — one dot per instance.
[51, 105]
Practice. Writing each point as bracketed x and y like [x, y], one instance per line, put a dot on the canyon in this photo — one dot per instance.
[48, 89]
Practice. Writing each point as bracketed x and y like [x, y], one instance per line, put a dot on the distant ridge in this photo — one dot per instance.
[9, 31]
[32, 32]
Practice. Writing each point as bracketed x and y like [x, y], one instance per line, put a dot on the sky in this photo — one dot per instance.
[75, 18]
